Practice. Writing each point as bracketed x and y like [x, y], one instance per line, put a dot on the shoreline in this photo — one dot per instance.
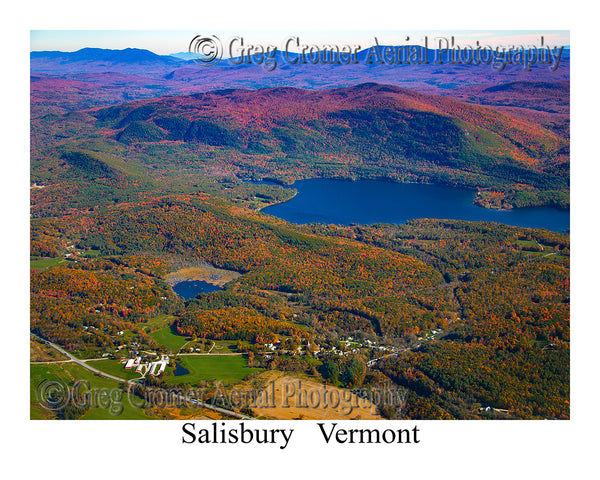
[525, 217]
[476, 191]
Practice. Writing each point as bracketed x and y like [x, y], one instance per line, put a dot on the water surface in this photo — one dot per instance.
[364, 202]
[180, 370]
[189, 289]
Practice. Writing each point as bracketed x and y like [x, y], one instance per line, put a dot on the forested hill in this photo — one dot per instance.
[365, 131]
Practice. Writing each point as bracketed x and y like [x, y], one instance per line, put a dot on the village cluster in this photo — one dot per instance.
[345, 347]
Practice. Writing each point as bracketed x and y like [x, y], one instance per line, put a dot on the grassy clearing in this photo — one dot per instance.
[157, 323]
[529, 243]
[223, 346]
[128, 413]
[537, 250]
[46, 262]
[167, 337]
[206, 346]
[226, 369]
[114, 367]
[51, 372]
[93, 386]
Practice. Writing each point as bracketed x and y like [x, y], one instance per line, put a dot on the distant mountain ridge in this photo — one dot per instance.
[390, 56]
[114, 76]
[128, 60]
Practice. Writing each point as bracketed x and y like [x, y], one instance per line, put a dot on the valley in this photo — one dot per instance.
[150, 173]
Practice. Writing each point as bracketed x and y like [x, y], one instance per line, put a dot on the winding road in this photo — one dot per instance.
[76, 360]
[80, 362]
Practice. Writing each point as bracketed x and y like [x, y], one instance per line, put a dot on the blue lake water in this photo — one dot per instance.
[189, 289]
[364, 202]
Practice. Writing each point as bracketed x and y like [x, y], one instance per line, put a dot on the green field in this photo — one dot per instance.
[158, 322]
[92, 254]
[46, 262]
[53, 262]
[223, 346]
[224, 368]
[220, 346]
[114, 367]
[532, 247]
[531, 244]
[166, 336]
[104, 394]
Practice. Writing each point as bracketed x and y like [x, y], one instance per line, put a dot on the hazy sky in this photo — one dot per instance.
[172, 41]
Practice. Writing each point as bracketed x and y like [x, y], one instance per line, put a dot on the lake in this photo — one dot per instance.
[189, 289]
[364, 202]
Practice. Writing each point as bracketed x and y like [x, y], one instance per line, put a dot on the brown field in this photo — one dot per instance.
[287, 397]
[205, 273]
[175, 413]
[39, 352]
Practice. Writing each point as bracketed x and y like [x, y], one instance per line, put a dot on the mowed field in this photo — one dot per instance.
[227, 369]
[46, 262]
[168, 338]
[104, 396]
[157, 323]
[115, 367]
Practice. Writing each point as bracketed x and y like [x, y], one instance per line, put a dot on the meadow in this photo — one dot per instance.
[227, 369]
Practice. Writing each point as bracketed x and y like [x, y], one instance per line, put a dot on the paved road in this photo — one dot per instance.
[80, 362]
[50, 361]
[99, 372]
